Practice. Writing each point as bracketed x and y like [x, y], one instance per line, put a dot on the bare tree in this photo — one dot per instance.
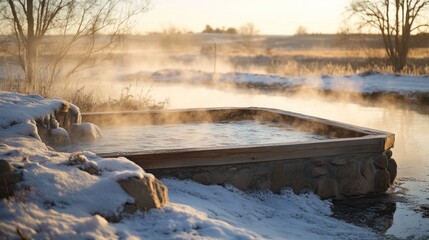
[395, 20]
[247, 34]
[58, 27]
[301, 30]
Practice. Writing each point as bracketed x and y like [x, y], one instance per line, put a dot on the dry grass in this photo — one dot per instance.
[90, 99]
[294, 68]
[322, 61]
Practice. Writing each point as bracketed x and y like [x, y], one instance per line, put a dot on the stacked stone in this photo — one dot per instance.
[392, 167]
[347, 176]
[339, 176]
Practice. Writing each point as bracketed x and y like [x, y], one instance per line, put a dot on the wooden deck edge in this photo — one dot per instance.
[357, 139]
[249, 154]
[253, 110]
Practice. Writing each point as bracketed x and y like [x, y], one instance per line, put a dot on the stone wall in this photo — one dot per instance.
[337, 176]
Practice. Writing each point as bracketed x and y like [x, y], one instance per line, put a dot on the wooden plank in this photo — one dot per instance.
[360, 129]
[219, 156]
[389, 141]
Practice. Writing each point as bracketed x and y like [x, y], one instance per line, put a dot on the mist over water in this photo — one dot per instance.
[410, 127]
[411, 130]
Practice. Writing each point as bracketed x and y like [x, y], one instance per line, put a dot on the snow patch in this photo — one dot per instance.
[18, 108]
[359, 83]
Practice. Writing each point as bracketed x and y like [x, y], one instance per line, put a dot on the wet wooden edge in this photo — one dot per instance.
[248, 154]
[368, 140]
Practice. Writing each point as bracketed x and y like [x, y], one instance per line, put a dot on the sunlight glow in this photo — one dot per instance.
[274, 17]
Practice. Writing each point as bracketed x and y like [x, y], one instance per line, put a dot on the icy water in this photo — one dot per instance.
[192, 135]
[401, 212]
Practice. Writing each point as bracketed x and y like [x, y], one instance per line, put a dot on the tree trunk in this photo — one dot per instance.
[31, 54]
[399, 65]
[30, 65]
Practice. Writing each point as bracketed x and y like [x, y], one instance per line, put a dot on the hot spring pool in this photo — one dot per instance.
[133, 138]
[249, 148]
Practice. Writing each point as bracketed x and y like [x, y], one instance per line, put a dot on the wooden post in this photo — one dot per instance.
[214, 57]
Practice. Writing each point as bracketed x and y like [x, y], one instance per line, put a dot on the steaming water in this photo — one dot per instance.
[406, 218]
[192, 135]
[411, 149]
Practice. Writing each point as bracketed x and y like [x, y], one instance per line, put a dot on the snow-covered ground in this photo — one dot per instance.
[360, 83]
[57, 201]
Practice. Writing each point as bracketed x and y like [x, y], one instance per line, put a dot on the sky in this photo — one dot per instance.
[271, 17]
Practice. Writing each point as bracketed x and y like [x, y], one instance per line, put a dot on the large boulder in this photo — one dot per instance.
[59, 136]
[148, 192]
[85, 131]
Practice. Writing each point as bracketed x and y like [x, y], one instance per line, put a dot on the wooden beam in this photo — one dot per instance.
[247, 154]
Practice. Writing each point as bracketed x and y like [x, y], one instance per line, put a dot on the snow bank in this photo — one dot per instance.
[18, 108]
[216, 212]
[58, 199]
[361, 83]
[52, 188]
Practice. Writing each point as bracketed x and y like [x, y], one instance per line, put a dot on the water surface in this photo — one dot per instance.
[192, 135]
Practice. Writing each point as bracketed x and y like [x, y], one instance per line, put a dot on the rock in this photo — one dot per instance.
[5, 166]
[319, 171]
[60, 136]
[326, 188]
[219, 177]
[54, 123]
[346, 172]
[261, 170]
[319, 162]
[367, 170]
[262, 184]
[85, 131]
[76, 159]
[389, 154]
[292, 174]
[203, 178]
[67, 115]
[8, 179]
[81, 162]
[381, 162]
[242, 179]
[338, 161]
[392, 168]
[65, 107]
[148, 192]
[381, 181]
[354, 187]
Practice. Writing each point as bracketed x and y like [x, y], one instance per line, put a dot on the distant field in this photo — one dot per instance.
[283, 55]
